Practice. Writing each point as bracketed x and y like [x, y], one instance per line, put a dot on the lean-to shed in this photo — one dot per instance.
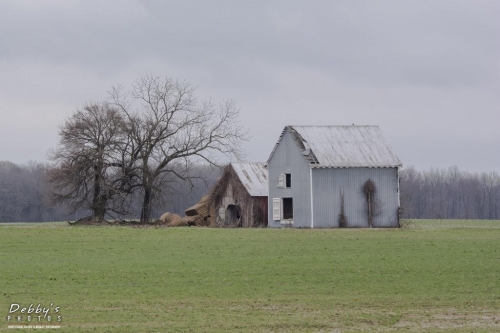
[239, 197]
[333, 176]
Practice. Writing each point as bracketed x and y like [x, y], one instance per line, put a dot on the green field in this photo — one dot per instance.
[430, 276]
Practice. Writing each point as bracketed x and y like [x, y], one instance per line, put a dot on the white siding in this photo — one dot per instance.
[288, 159]
[328, 183]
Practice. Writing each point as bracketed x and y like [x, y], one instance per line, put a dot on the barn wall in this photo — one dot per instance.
[327, 185]
[287, 158]
[253, 209]
[259, 212]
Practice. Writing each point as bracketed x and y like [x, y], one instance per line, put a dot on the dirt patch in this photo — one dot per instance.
[90, 221]
[451, 320]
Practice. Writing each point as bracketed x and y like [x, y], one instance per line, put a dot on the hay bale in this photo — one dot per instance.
[201, 208]
[169, 218]
[165, 217]
[190, 220]
[203, 222]
[174, 220]
[196, 220]
[180, 222]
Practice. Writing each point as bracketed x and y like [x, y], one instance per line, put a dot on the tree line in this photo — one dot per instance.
[434, 194]
[25, 195]
[23, 192]
[449, 194]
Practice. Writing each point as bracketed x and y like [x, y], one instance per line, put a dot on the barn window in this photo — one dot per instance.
[287, 208]
[285, 180]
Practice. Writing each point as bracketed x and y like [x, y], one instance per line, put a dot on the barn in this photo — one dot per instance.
[239, 197]
[333, 176]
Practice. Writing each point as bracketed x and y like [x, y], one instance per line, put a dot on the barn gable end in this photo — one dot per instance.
[239, 197]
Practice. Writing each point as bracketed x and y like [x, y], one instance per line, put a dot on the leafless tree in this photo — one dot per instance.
[170, 130]
[89, 167]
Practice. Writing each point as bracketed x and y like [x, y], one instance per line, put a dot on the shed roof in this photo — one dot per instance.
[342, 146]
[253, 176]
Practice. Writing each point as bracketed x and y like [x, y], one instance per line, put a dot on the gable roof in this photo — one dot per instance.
[342, 146]
[254, 177]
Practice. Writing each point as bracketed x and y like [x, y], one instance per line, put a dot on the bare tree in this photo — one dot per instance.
[88, 165]
[170, 131]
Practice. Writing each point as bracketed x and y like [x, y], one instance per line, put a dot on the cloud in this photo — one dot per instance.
[419, 69]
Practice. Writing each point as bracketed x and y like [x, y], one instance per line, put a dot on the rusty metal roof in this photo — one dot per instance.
[342, 146]
[253, 176]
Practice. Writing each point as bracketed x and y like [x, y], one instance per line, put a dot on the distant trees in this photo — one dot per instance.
[25, 194]
[435, 193]
[143, 141]
[449, 194]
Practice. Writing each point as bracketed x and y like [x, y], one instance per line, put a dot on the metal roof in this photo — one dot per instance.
[342, 146]
[253, 176]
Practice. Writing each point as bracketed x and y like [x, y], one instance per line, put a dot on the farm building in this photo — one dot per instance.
[333, 176]
[239, 197]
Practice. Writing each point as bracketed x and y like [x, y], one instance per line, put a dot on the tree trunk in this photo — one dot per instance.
[99, 200]
[147, 204]
[100, 207]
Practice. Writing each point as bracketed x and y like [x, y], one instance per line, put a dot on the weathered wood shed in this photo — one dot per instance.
[333, 176]
[239, 197]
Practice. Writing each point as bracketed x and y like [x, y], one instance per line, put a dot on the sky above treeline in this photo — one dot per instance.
[426, 71]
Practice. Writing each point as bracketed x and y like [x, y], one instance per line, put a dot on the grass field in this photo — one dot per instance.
[430, 276]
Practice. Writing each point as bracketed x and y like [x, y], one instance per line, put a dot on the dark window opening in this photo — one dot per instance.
[233, 216]
[287, 208]
[288, 180]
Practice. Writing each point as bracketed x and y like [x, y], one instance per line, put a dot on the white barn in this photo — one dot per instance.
[333, 176]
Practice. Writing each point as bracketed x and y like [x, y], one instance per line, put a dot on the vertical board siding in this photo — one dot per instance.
[287, 158]
[327, 185]
[253, 210]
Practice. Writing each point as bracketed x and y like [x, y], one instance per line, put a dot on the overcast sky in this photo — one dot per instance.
[426, 72]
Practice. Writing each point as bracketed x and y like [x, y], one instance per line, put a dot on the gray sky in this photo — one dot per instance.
[426, 72]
